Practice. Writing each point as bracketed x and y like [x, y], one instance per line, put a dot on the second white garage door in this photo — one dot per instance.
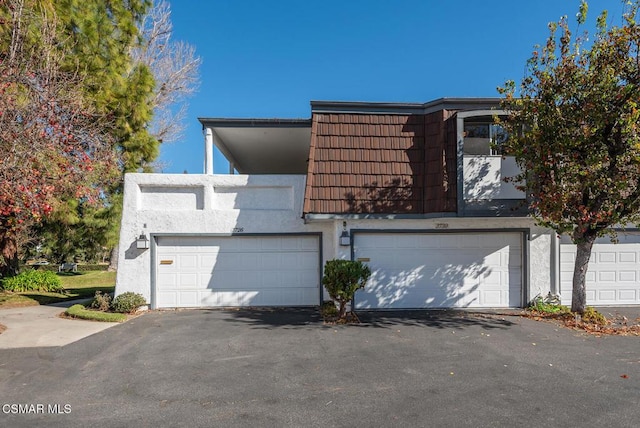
[613, 274]
[440, 270]
[218, 271]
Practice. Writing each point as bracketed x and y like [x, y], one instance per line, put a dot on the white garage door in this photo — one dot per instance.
[613, 275]
[440, 270]
[237, 271]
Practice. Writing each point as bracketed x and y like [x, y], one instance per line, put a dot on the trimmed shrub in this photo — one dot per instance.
[127, 302]
[342, 278]
[101, 302]
[33, 280]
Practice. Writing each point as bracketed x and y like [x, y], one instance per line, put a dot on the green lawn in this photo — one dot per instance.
[78, 285]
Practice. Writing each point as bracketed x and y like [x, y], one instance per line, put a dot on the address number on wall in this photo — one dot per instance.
[442, 225]
[237, 230]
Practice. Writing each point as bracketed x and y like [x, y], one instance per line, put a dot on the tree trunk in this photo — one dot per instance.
[342, 311]
[579, 297]
[9, 264]
[113, 260]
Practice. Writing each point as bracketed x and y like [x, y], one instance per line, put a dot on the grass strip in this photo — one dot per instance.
[77, 285]
[79, 311]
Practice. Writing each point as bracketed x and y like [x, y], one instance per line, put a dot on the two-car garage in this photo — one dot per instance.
[440, 270]
[217, 271]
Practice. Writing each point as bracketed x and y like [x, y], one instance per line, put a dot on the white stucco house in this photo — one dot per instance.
[414, 190]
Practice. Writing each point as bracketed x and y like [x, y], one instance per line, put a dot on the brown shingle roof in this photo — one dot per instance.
[380, 163]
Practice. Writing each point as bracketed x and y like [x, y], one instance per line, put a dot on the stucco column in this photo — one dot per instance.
[208, 151]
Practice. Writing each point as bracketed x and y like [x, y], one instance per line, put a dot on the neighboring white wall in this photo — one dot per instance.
[484, 178]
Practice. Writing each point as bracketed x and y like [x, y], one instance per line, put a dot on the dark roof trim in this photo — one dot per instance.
[404, 108]
[310, 217]
[221, 122]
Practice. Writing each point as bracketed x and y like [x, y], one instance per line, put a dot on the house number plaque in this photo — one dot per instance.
[442, 225]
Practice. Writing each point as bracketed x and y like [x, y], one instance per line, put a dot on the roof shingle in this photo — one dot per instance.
[376, 163]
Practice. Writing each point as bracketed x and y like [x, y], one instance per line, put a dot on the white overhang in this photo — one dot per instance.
[263, 146]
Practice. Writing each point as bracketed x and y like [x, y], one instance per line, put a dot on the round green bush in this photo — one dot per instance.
[33, 280]
[127, 302]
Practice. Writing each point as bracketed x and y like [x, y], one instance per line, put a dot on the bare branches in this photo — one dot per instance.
[175, 68]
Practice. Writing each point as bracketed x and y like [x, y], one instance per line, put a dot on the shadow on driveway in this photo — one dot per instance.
[266, 318]
[433, 318]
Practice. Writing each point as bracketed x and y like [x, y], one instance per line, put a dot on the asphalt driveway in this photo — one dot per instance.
[264, 368]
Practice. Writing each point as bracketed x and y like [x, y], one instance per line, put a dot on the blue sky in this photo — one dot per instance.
[270, 58]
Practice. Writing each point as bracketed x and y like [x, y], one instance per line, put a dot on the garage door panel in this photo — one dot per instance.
[629, 295]
[628, 257]
[288, 245]
[228, 261]
[270, 262]
[188, 261]
[188, 298]
[168, 280]
[238, 271]
[492, 297]
[613, 275]
[229, 298]
[604, 257]
[606, 276]
[439, 270]
[490, 278]
[606, 295]
[305, 259]
[628, 276]
[170, 298]
[187, 280]
[496, 259]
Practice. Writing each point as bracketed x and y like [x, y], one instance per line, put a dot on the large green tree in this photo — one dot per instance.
[174, 67]
[83, 50]
[54, 144]
[102, 35]
[574, 130]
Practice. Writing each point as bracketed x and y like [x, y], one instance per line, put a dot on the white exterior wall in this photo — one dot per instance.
[174, 204]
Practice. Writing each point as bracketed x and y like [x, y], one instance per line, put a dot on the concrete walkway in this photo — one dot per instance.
[36, 326]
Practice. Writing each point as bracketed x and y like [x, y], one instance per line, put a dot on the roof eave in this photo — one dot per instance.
[213, 122]
[403, 108]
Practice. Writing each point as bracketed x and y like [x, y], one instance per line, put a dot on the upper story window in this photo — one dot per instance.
[481, 136]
